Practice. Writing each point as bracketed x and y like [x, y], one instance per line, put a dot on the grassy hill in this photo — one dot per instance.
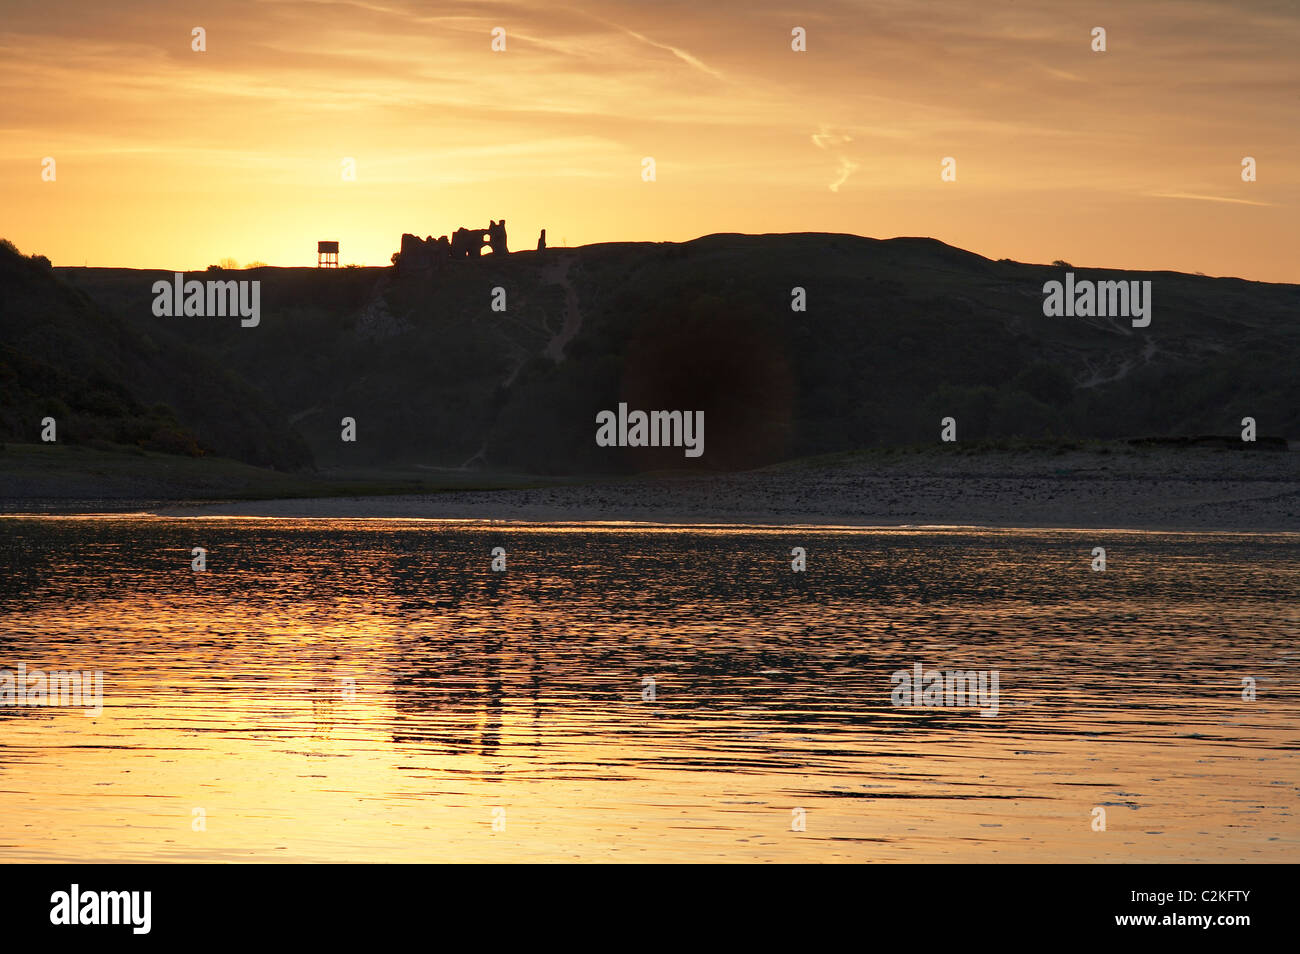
[109, 381]
[897, 334]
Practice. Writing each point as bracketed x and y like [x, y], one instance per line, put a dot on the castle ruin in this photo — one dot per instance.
[421, 254]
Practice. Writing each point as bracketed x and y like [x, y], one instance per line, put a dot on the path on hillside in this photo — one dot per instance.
[557, 273]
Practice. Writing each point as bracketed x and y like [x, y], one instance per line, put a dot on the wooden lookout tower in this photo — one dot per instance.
[327, 254]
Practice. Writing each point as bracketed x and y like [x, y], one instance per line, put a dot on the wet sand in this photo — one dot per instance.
[1135, 489]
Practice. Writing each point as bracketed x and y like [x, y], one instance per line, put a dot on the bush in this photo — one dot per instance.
[1046, 383]
[172, 441]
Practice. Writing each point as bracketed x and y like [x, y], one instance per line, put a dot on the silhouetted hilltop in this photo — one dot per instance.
[897, 334]
[106, 380]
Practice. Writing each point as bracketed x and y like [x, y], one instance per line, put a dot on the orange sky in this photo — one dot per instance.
[174, 159]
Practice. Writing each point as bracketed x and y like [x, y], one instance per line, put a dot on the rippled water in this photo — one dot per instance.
[518, 698]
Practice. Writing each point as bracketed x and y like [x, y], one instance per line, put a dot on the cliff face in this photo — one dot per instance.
[505, 361]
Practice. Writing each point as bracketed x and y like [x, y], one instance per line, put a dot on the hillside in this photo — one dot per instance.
[107, 381]
[897, 334]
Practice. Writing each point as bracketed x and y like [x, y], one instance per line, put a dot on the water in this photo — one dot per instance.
[516, 699]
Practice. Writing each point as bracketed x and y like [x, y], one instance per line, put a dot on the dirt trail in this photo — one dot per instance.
[557, 273]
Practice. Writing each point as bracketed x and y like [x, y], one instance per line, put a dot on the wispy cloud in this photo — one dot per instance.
[681, 54]
[847, 168]
[825, 138]
[1207, 198]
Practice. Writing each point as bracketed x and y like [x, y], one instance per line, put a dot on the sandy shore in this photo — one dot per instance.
[1133, 489]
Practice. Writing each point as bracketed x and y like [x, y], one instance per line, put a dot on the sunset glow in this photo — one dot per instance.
[171, 158]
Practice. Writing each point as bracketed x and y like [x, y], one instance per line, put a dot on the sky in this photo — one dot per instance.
[165, 157]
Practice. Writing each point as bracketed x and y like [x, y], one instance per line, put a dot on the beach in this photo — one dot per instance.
[1137, 488]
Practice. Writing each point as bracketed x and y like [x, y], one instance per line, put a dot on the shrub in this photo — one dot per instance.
[172, 441]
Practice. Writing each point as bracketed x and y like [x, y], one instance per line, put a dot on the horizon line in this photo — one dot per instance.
[256, 265]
